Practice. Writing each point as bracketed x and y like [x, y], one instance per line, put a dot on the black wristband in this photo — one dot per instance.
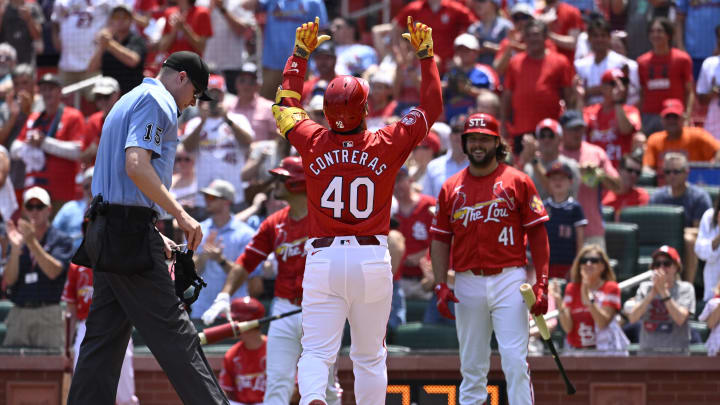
[668, 298]
[228, 120]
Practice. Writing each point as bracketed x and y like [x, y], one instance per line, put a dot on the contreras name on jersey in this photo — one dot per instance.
[337, 156]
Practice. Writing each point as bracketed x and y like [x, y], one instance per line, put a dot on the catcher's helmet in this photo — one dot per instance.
[292, 169]
[479, 123]
[246, 309]
[345, 101]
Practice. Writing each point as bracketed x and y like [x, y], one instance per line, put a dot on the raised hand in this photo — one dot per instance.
[420, 36]
[307, 39]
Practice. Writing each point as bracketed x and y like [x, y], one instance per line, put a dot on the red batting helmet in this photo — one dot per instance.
[292, 169]
[246, 309]
[480, 123]
[345, 102]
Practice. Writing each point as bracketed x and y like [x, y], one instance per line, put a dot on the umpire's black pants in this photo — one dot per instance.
[146, 300]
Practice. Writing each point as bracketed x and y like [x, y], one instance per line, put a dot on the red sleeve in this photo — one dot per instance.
[440, 228]
[540, 251]
[74, 129]
[532, 208]
[168, 12]
[643, 197]
[430, 91]
[633, 116]
[201, 23]
[510, 81]
[504, 43]
[259, 247]
[69, 293]
[568, 71]
[577, 20]
[294, 79]
[612, 295]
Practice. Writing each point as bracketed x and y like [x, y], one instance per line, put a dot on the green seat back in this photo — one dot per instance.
[608, 213]
[415, 310]
[621, 241]
[5, 306]
[658, 225]
[417, 335]
[714, 192]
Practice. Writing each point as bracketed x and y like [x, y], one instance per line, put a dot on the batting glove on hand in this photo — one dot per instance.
[444, 294]
[220, 305]
[420, 37]
[307, 39]
[541, 299]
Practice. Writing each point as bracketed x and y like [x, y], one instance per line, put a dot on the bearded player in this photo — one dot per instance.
[485, 212]
[283, 233]
[350, 175]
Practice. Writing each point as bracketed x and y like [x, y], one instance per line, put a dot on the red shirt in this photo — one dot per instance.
[549, 45]
[78, 289]
[416, 230]
[487, 217]
[537, 88]
[604, 132]
[568, 19]
[663, 77]
[58, 175]
[636, 196]
[449, 21]
[286, 237]
[243, 373]
[350, 177]
[583, 331]
[198, 18]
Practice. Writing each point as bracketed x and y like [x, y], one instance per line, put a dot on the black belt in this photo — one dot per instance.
[328, 240]
[37, 304]
[134, 212]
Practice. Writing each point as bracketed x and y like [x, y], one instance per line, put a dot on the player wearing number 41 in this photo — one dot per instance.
[486, 211]
[350, 173]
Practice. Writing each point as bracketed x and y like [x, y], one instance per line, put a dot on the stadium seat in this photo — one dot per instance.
[415, 310]
[658, 225]
[647, 180]
[5, 306]
[608, 213]
[714, 192]
[621, 241]
[650, 190]
[417, 335]
[3, 331]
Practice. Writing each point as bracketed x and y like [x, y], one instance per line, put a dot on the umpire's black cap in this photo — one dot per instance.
[194, 66]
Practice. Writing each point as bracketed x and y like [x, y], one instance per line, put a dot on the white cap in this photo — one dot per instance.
[522, 8]
[383, 76]
[36, 193]
[468, 41]
[221, 189]
[316, 103]
[106, 85]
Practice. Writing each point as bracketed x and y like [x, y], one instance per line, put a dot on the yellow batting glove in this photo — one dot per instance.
[420, 37]
[307, 39]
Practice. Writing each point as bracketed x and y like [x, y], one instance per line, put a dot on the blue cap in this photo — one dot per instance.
[572, 119]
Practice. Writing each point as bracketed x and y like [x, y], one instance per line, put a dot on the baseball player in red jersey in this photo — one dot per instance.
[350, 176]
[243, 371]
[485, 212]
[283, 233]
[77, 293]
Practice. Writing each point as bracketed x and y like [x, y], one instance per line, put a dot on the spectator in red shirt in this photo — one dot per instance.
[50, 143]
[665, 72]
[187, 28]
[612, 123]
[515, 42]
[535, 75]
[629, 193]
[565, 23]
[106, 92]
[447, 18]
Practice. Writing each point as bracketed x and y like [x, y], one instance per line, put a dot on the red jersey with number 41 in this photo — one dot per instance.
[486, 217]
[350, 178]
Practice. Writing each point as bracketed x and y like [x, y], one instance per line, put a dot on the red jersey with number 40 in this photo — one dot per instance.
[285, 237]
[350, 178]
[486, 217]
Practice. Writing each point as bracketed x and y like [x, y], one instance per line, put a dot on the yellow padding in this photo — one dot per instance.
[280, 94]
[287, 117]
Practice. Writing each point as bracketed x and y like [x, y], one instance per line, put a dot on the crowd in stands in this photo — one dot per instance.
[606, 105]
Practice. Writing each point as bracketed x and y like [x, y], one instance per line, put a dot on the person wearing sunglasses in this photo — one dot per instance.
[591, 301]
[35, 275]
[629, 194]
[664, 305]
[696, 143]
[692, 198]
[612, 123]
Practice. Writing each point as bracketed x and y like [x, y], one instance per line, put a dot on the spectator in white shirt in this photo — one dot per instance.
[708, 88]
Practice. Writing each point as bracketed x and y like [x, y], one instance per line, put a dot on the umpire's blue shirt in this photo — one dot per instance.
[146, 117]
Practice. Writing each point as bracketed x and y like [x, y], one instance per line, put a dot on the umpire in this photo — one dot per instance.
[132, 284]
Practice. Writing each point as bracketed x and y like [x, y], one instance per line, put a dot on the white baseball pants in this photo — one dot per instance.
[345, 281]
[283, 353]
[490, 303]
[126, 384]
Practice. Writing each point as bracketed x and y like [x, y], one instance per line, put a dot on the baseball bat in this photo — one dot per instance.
[232, 328]
[529, 297]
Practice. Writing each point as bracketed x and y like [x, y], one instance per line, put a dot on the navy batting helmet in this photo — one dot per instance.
[246, 309]
[292, 169]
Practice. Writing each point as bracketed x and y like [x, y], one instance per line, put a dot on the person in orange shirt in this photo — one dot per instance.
[695, 143]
